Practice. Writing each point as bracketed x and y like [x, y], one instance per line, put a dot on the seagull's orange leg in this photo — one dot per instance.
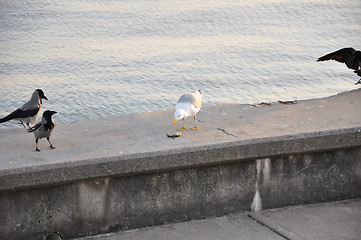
[182, 128]
[195, 124]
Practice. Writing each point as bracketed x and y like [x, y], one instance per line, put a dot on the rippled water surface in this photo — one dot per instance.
[99, 58]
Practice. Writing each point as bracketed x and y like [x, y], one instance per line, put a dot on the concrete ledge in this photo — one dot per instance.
[105, 177]
[53, 174]
[136, 143]
[109, 204]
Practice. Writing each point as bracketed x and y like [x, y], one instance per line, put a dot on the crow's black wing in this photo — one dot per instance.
[20, 114]
[344, 55]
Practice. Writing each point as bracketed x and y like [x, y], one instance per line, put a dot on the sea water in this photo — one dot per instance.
[99, 58]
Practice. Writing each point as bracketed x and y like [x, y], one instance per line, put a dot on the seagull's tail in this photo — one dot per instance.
[201, 89]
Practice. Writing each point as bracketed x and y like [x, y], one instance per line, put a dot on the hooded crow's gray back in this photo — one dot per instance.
[29, 112]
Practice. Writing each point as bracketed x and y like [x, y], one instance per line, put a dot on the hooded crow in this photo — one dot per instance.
[44, 128]
[349, 56]
[188, 105]
[28, 113]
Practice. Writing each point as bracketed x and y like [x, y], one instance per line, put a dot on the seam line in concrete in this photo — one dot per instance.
[273, 229]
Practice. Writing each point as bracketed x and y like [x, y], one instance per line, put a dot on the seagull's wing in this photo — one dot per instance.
[196, 100]
[344, 55]
[186, 98]
[191, 98]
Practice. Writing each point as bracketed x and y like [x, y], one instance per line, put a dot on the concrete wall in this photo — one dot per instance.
[193, 183]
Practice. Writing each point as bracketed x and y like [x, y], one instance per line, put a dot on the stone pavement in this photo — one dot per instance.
[331, 221]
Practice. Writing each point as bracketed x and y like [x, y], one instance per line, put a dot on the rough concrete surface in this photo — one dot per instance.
[225, 228]
[332, 221]
[124, 173]
[126, 137]
[326, 221]
[110, 204]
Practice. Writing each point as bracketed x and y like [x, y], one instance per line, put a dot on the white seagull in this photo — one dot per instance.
[188, 105]
[29, 112]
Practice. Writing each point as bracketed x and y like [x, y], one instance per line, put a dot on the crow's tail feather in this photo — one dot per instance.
[11, 116]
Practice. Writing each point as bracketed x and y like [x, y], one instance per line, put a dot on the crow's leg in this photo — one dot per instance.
[51, 145]
[22, 123]
[29, 128]
[37, 149]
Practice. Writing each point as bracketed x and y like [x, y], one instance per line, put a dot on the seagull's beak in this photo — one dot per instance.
[45, 97]
[175, 121]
